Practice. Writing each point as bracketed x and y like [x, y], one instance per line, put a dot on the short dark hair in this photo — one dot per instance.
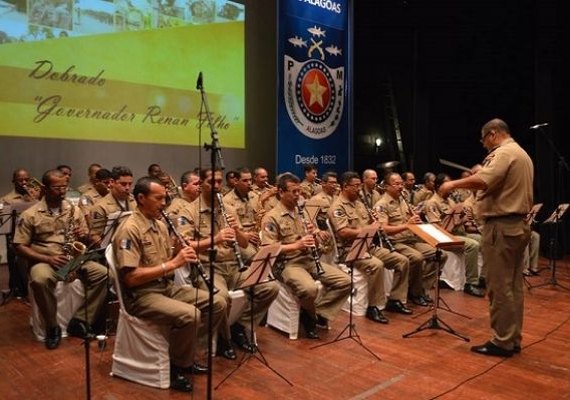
[283, 179]
[185, 178]
[204, 173]
[231, 174]
[151, 166]
[64, 166]
[329, 174]
[439, 179]
[389, 175]
[347, 177]
[243, 170]
[143, 186]
[103, 174]
[309, 167]
[50, 174]
[428, 176]
[119, 171]
[497, 124]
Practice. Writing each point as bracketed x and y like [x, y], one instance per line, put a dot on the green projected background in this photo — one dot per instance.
[121, 71]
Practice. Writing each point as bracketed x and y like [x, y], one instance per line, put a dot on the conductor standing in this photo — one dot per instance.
[504, 198]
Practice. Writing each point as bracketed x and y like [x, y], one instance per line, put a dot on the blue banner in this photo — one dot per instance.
[313, 109]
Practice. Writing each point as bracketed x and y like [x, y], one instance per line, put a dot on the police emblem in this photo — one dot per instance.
[314, 91]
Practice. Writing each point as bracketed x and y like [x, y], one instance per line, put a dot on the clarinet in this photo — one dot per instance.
[198, 265]
[381, 233]
[314, 251]
[237, 253]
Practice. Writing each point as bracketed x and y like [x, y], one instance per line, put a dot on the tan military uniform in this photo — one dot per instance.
[309, 189]
[227, 277]
[44, 231]
[88, 199]
[14, 197]
[422, 195]
[353, 214]
[436, 209]
[268, 203]
[421, 255]
[86, 187]
[508, 173]
[140, 243]
[370, 197]
[107, 205]
[297, 268]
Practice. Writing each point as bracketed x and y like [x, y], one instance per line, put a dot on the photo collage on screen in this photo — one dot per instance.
[32, 20]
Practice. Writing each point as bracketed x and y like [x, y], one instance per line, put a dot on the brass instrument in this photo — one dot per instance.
[198, 265]
[314, 251]
[72, 248]
[384, 239]
[172, 189]
[34, 188]
[237, 252]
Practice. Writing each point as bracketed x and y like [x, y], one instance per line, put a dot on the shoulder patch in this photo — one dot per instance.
[339, 212]
[125, 244]
[184, 221]
[270, 227]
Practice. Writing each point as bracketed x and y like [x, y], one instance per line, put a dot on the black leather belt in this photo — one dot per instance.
[507, 216]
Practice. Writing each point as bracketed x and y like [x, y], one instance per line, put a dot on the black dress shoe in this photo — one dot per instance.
[225, 349]
[178, 381]
[322, 322]
[240, 338]
[374, 314]
[427, 298]
[53, 337]
[419, 300]
[482, 283]
[309, 324]
[491, 349]
[78, 328]
[195, 369]
[473, 290]
[398, 307]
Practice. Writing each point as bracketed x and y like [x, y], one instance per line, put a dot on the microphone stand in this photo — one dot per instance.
[215, 156]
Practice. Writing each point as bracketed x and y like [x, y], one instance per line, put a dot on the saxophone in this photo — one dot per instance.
[72, 248]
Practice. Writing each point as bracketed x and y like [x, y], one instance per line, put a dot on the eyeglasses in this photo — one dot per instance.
[62, 187]
[482, 140]
[354, 185]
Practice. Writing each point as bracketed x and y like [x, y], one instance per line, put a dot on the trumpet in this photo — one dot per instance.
[314, 251]
[237, 253]
[198, 265]
[172, 188]
[384, 239]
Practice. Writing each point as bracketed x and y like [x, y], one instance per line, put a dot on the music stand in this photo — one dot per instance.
[530, 219]
[553, 221]
[440, 239]
[358, 251]
[257, 274]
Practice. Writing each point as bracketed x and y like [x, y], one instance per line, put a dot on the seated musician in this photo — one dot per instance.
[230, 241]
[23, 191]
[394, 213]
[298, 269]
[46, 236]
[349, 215]
[443, 212]
[145, 260]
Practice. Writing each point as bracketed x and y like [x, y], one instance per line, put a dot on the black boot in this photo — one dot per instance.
[240, 338]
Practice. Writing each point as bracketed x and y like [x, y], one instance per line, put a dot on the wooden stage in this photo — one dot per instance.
[432, 364]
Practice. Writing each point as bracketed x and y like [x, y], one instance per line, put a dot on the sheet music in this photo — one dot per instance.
[435, 233]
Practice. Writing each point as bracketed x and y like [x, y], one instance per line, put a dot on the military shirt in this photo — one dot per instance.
[45, 230]
[86, 187]
[422, 195]
[348, 214]
[324, 202]
[309, 189]
[107, 205]
[179, 212]
[14, 197]
[199, 228]
[141, 242]
[281, 225]
[394, 212]
[370, 197]
[508, 172]
[437, 208]
[245, 208]
[88, 199]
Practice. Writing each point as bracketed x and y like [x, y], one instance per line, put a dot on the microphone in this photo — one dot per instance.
[539, 125]
[199, 82]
